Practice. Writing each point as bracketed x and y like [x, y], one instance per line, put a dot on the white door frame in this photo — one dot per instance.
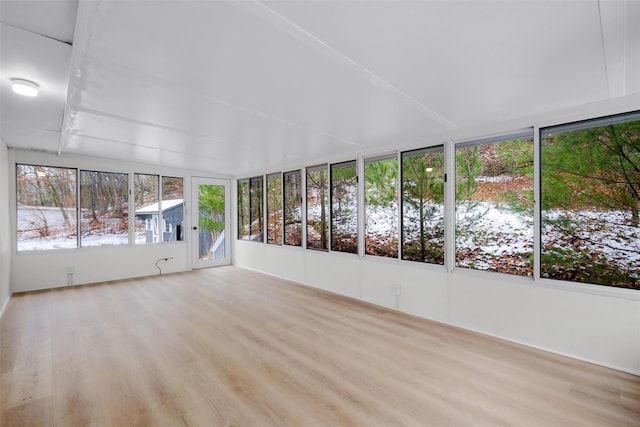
[196, 262]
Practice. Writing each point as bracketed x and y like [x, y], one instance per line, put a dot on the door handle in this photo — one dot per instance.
[195, 228]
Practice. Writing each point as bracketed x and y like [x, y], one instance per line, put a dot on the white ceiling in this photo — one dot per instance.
[35, 45]
[245, 86]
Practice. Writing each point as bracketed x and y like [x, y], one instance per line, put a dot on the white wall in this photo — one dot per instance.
[48, 269]
[588, 322]
[596, 328]
[5, 229]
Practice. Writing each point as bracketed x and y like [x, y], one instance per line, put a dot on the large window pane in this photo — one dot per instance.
[243, 209]
[344, 207]
[494, 206]
[293, 208]
[255, 209]
[274, 208]
[211, 221]
[147, 209]
[46, 211]
[317, 210]
[104, 200]
[172, 208]
[590, 209]
[381, 206]
[250, 200]
[423, 205]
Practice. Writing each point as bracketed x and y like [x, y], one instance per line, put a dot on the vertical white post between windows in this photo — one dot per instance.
[536, 205]
[361, 210]
[450, 205]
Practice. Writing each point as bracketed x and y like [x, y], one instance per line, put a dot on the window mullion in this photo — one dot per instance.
[536, 203]
[450, 205]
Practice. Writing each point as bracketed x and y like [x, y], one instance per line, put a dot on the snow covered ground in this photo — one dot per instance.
[35, 243]
[61, 236]
[608, 232]
[486, 231]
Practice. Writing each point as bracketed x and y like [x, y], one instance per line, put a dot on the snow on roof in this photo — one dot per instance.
[153, 208]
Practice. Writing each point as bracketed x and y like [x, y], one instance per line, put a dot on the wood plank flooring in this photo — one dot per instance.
[231, 347]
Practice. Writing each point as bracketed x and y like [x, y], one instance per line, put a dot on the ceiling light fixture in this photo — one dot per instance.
[24, 87]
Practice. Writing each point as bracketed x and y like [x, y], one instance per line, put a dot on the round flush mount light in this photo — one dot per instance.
[24, 87]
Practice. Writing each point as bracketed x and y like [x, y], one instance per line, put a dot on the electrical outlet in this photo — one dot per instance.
[396, 289]
[71, 269]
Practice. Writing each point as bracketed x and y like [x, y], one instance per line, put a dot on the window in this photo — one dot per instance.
[145, 198]
[250, 209]
[274, 208]
[423, 205]
[494, 205]
[293, 208]
[47, 208]
[344, 207]
[590, 208]
[317, 215]
[173, 208]
[255, 209]
[48, 216]
[381, 206]
[104, 198]
[243, 209]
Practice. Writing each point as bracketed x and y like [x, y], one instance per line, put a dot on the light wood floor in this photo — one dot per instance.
[226, 346]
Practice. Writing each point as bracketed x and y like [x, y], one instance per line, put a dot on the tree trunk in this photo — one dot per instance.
[57, 200]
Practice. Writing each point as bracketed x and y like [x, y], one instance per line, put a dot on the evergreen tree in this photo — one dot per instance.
[586, 171]
[597, 168]
[423, 192]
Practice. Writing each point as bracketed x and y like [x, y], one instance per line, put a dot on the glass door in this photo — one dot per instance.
[210, 217]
